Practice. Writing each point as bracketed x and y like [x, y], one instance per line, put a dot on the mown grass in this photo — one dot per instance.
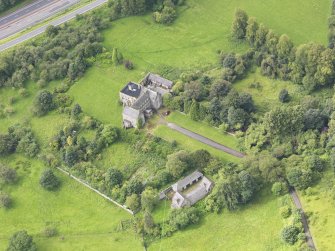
[319, 205]
[203, 129]
[83, 219]
[190, 144]
[202, 28]
[267, 95]
[254, 227]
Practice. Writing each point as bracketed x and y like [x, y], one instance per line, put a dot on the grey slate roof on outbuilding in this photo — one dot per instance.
[201, 190]
[132, 89]
[158, 79]
[178, 186]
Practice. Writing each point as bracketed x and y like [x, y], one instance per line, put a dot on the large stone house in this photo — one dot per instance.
[189, 190]
[141, 100]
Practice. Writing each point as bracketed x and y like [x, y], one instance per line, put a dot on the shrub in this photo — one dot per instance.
[290, 234]
[279, 188]
[43, 103]
[50, 231]
[284, 96]
[149, 199]
[113, 177]
[21, 241]
[5, 200]
[7, 175]
[133, 202]
[285, 211]
[128, 65]
[49, 181]
[181, 218]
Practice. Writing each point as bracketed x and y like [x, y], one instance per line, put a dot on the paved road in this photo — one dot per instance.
[55, 22]
[205, 140]
[296, 200]
[31, 14]
[293, 193]
[26, 10]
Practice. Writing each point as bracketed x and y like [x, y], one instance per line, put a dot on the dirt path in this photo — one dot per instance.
[205, 140]
[296, 200]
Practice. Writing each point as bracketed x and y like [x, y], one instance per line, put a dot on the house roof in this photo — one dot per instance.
[132, 89]
[158, 79]
[178, 186]
[131, 112]
[142, 99]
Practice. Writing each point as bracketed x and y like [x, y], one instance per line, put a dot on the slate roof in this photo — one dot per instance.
[158, 79]
[178, 200]
[142, 99]
[178, 186]
[197, 194]
[132, 89]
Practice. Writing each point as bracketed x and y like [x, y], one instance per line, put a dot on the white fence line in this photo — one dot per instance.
[95, 190]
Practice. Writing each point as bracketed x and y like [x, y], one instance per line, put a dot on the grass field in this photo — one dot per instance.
[190, 144]
[320, 205]
[267, 95]
[254, 227]
[203, 129]
[203, 27]
[85, 221]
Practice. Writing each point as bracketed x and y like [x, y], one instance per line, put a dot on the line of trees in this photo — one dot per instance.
[213, 99]
[164, 11]
[19, 139]
[311, 65]
[331, 27]
[6, 4]
[62, 54]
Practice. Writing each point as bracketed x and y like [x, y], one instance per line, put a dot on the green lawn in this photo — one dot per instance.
[320, 204]
[85, 221]
[203, 129]
[189, 143]
[88, 222]
[203, 27]
[254, 227]
[267, 95]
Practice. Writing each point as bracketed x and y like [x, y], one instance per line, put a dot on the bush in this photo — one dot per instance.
[21, 241]
[285, 211]
[113, 177]
[49, 181]
[133, 202]
[181, 218]
[7, 175]
[5, 200]
[290, 234]
[128, 65]
[43, 103]
[279, 188]
[50, 231]
[284, 96]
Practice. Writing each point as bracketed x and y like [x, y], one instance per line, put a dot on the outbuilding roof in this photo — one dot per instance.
[158, 79]
[178, 186]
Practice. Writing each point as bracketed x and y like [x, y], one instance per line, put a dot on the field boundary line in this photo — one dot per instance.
[95, 190]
